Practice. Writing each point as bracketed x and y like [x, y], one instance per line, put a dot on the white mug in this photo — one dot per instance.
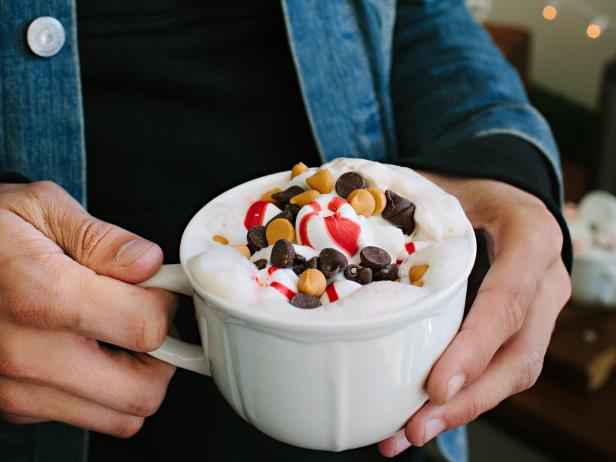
[594, 268]
[318, 384]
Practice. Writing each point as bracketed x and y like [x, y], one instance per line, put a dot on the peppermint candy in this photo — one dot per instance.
[278, 283]
[409, 249]
[329, 221]
[260, 213]
[338, 289]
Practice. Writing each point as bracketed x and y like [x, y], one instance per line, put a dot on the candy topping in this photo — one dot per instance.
[349, 182]
[284, 290]
[332, 223]
[305, 301]
[331, 262]
[329, 222]
[259, 213]
[279, 229]
[400, 212]
[283, 254]
[312, 282]
[374, 258]
[321, 181]
[331, 292]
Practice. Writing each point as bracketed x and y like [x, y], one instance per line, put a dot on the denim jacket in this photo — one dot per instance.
[381, 79]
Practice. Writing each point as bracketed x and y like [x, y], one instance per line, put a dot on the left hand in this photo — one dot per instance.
[501, 344]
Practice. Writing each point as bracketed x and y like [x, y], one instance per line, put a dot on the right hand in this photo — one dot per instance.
[66, 281]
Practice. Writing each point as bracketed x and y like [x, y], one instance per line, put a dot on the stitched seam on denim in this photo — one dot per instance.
[80, 115]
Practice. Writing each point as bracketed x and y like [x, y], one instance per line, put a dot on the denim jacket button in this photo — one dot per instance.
[45, 36]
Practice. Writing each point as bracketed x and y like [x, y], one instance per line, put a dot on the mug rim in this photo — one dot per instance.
[421, 308]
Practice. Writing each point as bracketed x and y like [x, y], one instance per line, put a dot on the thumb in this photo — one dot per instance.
[110, 250]
[105, 248]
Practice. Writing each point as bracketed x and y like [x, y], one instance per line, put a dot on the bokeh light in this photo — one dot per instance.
[550, 12]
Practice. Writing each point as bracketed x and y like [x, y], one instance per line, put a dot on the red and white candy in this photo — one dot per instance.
[338, 289]
[259, 213]
[409, 249]
[329, 221]
[278, 283]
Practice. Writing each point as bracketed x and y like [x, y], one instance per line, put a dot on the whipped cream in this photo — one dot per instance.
[442, 239]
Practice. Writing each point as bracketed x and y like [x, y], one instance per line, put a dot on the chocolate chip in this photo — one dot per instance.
[294, 209]
[285, 214]
[313, 263]
[389, 273]
[283, 197]
[395, 204]
[256, 238]
[283, 254]
[374, 257]
[358, 274]
[349, 182]
[331, 261]
[260, 263]
[305, 301]
[300, 266]
[400, 212]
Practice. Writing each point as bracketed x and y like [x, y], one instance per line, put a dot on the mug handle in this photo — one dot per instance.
[174, 351]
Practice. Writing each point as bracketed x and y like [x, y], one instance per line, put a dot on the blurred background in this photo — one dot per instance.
[565, 51]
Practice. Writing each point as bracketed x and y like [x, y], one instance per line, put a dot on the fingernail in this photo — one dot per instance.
[433, 428]
[401, 443]
[130, 252]
[454, 386]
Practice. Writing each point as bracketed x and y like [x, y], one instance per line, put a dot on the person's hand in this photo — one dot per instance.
[500, 347]
[66, 281]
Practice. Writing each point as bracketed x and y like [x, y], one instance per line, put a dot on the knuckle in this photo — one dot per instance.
[514, 309]
[12, 402]
[39, 192]
[475, 409]
[510, 303]
[44, 188]
[150, 401]
[480, 403]
[128, 427]
[15, 369]
[151, 332]
[91, 238]
[551, 235]
[13, 364]
[528, 372]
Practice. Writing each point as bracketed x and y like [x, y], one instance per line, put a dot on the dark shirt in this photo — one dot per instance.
[182, 100]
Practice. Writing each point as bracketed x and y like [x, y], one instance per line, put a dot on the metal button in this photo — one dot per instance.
[45, 36]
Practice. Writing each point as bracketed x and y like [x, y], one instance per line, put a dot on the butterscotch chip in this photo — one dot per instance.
[362, 201]
[279, 229]
[418, 283]
[312, 282]
[322, 181]
[268, 195]
[416, 272]
[380, 201]
[243, 249]
[305, 197]
[220, 239]
[298, 169]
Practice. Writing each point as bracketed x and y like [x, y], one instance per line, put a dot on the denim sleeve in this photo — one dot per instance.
[450, 84]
